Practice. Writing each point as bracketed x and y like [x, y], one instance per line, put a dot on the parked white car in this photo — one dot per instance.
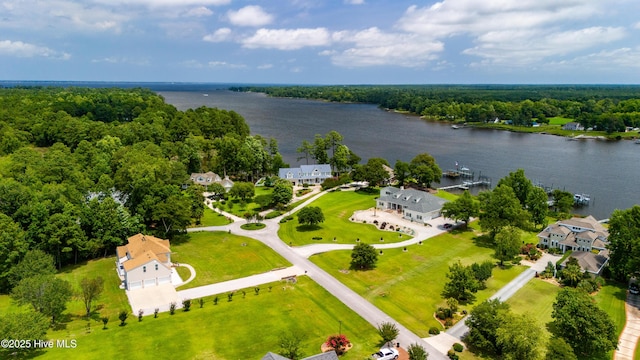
[386, 354]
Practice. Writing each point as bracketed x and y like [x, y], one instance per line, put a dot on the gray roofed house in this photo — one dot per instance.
[306, 174]
[209, 178]
[577, 234]
[414, 205]
[273, 356]
[588, 261]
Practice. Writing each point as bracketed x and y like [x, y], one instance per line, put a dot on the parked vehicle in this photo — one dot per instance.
[634, 289]
[386, 354]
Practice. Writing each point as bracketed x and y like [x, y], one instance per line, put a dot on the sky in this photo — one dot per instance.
[322, 42]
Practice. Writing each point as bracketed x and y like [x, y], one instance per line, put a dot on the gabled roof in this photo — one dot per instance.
[589, 261]
[140, 244]
[273, 356]
[588, 222]
[140, 260]
[414, 200]
[329, 355]
[324, 171]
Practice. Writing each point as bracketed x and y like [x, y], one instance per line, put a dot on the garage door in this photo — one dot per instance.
[164, 280]
[135, 285]
[149, 282]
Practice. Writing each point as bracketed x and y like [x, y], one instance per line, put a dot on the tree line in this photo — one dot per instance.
[605, 108]
[83, 169]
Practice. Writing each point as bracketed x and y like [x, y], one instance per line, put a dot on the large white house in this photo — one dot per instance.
[414, 205]
[209, 178]
[144, 262]
[576, 234]
[306, 174]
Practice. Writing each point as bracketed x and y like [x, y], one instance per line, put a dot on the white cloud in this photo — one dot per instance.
[615, 59]
[373, 47]
[636, 25]
[164, 3]
[287, 39]
[265, 66]
[219, 35]
[251, 15]
[199, 12]
[26, 50]
[518, 32]
[121, 60]
[224, 64]
[354, 2]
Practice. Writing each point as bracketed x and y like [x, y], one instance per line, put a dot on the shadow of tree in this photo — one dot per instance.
[307, 228]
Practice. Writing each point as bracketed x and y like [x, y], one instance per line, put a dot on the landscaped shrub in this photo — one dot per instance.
[123, 317]
[452, 354]
[434, 330]
[338, 343]
[448, 322]
[440, 314]
[172, 308]
[186, 304]
[140, 313]
[273, 214]
[458, 347]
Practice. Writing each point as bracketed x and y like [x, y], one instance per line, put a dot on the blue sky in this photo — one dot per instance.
[322, 42]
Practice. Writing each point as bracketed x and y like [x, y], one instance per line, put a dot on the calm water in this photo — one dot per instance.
[608, 171]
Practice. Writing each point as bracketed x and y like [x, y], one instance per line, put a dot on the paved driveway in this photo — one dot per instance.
[631, 332]
[148, 299]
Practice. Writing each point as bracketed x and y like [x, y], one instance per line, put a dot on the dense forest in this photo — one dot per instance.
[82, 169]
[605, 108]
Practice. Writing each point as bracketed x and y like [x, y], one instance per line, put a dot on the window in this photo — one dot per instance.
[156, 267]
[144, 269]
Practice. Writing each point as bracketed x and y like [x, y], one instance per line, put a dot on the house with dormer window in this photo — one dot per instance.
[306, 174]
[576, 234]
[144, 262]
[414, 205]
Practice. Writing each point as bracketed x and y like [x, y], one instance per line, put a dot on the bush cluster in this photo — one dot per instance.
[434, 330]
[285, 219]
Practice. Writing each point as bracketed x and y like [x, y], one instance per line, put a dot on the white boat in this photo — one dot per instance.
[205, 94]
[455, 127]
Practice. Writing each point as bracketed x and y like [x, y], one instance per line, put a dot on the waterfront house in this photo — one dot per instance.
[576, 234]
[209, 178]
[145, 261]
[589, 262]
[573, 126]
[306, 174]
[414, 205]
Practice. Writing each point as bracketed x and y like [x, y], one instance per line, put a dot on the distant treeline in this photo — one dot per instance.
[607, 108]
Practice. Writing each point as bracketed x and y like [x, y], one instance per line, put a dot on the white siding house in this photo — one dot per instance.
[306, 174]
[144, 262]
[413, 204]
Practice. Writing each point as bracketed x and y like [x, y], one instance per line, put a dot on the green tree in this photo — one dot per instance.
[333, 141]
[483, 271]
[500, 208]
[13, 247]
[461, 209]
[558, 349]
[508, 242]
[402, 172]
[35, 262]
[242, 190]
[291, 345]
[320, 150]
[624, 243]
[417, 352]
[562, 200]
[520, 337]
[424, 170]
[90, 290]
[582, 324]
[572, 272]
[388, 332]
[306, 149]
[310, 215]
[217, 189]
[123, 315]
[282, 192]
[363, 257]
[462, 283]
[483, 322]
[372, 172]
[520, 185]
[22, 325]
[45, 293]
[537, 205]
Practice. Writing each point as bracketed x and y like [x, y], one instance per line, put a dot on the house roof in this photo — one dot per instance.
[139, 244]
[414, 200]
[589, 261]
[324, 171]
[329, 355]
[140, 260]
[205, 178]
[588, 222]
[273, 356]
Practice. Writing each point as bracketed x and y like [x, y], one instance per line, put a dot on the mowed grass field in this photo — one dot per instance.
[220, 256]
[245, 328]
[337, 208]
[408, 285]
[212, 218]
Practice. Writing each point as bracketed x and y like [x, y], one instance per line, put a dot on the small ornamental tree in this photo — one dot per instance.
[338, 343]
[388, 332]
[310, 215]
[123, 317]
[417, 352]
[363, 257]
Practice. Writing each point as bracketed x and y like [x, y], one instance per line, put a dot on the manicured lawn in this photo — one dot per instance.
[253, 226]
[220, 256]
[408, 285]
[241, 329]
[212, 218]
[611, 298]
[536, 298]
[337, 208]
[239, 209]
[557, 120]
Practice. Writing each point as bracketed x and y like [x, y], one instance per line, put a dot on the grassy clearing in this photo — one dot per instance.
[239, 209]
[407, 285]
[245, 328]
[337, 208]
[535, 298]
[558, 120]
[212, 218]
[220, 256]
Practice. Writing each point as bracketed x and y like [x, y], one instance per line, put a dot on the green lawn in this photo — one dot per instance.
[338, 207]
[408, 285]
[212, 218]
[239, 209]
[535, 298]
[245, 328]
[220, 256]
[558, 120]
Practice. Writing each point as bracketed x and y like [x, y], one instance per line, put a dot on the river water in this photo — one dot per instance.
[606, 170]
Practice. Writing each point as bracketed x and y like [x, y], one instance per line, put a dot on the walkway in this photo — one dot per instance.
[631, 332]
